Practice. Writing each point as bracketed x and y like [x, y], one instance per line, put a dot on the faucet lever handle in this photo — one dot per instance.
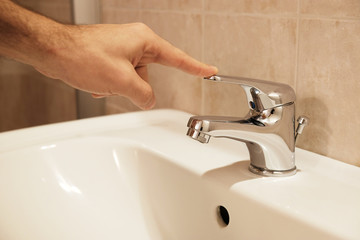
[302, 122]
[261, 95]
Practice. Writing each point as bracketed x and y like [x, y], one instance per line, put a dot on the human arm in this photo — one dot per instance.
[104, 60]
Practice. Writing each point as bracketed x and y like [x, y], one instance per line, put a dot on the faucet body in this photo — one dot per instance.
[268, 130]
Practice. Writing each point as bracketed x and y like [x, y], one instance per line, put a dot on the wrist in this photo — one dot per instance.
[55, 46]
[50, 43]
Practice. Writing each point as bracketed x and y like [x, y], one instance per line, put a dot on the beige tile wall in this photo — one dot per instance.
[59, 10]
[27, 98]
[314, 46]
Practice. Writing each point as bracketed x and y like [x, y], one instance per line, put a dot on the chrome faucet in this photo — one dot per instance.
[268, 130]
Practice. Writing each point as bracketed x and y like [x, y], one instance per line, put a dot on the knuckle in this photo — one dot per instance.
[141, 27]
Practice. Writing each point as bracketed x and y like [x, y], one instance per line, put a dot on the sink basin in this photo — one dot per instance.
[138, 176]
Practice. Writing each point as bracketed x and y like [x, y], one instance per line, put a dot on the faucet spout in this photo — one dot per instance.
[271, 147]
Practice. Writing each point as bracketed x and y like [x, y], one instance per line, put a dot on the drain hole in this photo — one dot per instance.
[224, 217]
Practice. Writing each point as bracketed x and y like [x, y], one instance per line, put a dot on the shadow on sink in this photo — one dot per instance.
[231, 174]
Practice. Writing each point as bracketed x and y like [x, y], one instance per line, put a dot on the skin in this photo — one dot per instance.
[103, 59]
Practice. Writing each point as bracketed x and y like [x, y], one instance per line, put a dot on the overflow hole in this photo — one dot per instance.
[223, 215]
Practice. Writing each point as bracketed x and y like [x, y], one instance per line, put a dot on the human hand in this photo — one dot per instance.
[108, 60]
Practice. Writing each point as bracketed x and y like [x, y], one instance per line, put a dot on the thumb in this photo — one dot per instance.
[45, 73]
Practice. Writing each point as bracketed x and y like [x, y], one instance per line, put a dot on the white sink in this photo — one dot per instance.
[138, 176]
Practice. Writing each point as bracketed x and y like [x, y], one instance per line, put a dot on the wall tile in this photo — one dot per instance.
[114, 109]
[329, 86]
[173, 4]
[175, 89]
[261, 48]
[30, 99]
[331, 8]
[122, 104]
[119, 16]
[58, 10]
[253, 6]
[121, 3]
[9, 67]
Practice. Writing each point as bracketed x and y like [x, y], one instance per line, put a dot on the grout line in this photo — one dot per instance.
[323, 18]
[297, 47]
[202, 55]
[202, 11]
[260, 15]
[235, 14]
[121, 9]
[140, 9]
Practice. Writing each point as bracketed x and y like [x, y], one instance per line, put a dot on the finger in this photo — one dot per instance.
[171, 56]
[143, 72]
[139, 91]
[94, 95]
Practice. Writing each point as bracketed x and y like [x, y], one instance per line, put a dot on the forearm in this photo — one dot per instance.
[26, 36]
[104, 60]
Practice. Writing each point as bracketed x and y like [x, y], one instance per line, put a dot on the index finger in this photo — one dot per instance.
[171, 56]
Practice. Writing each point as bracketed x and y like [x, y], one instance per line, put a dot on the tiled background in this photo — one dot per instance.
[314, 46]
[27, 98]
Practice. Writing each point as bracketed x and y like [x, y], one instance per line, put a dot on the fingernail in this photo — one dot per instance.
[215, 69]
[150, 104]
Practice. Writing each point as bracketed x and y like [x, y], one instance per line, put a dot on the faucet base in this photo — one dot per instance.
[271, 173]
